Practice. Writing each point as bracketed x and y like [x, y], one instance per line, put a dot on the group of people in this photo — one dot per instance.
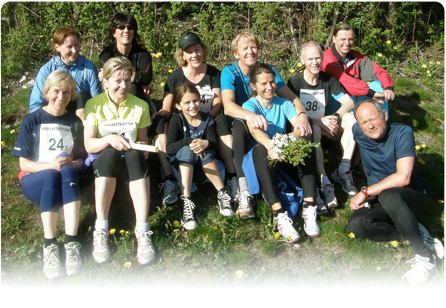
[208, 123]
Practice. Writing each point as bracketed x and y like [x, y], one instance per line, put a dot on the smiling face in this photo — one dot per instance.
[69, 50]
[372, 123]
[190, 105]
[58, 97]
[247, 52]
[343, 41]
[124, 36]
[118, 85]
[312, 59]
[193, 55]
[265, 85]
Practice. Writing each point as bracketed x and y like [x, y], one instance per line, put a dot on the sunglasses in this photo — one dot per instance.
[122, 27]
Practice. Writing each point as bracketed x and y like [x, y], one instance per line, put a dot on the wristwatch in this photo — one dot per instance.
[364, 191]
[337, 115]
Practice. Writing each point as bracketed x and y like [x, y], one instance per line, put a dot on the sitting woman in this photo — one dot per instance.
[191, 140]
[50, 147]
[277, 111]
[66, 48]
[113, 121]
[191, 56]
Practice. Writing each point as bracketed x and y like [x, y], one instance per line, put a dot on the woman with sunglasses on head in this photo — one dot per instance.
[123, 41]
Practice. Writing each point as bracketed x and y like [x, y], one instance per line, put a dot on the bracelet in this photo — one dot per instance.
[301, 113]
[364, 191]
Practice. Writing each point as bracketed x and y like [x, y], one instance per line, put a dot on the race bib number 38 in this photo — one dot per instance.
[124, 128]
[314, 102]
[54, 139]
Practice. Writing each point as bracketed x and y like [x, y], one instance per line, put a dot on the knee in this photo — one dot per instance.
[388, 198]
[186, 156]
[316, 133]
[356, 225]
[259, 152]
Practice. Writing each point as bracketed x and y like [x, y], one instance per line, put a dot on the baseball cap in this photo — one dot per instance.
[188, 38]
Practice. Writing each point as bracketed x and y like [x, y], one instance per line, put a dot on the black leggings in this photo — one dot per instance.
[240, 144]
[392, 217]
[267, 174]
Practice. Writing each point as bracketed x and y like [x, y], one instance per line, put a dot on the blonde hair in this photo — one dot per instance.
[248, 35]
[59, 37]
[116, 64]
[57, 78]
[179, 55]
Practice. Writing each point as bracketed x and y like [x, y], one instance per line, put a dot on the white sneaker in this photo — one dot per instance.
[224, 202]
[51, 262]
[285, 228]
[245, 210]
[146, 250]
[321, 208]
[101, 252]
[73, 263]
[170, 191]
[422, 270]
[434, 245]
[187, 214]
[346, 181]
[310, 218]
[329, 196]
[233, 189]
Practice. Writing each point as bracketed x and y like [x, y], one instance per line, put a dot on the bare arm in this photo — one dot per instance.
[167, 105]
[96, 145]
[400, 178]
[216, 103]
[303, 122]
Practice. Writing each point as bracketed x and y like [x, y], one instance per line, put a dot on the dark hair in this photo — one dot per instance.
[121, 19]
[182, 89]
[342, 27]
[255, 71]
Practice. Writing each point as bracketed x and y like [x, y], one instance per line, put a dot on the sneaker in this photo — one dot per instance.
[309, 216]
[346, 181]
[73, 263]
[170, 192]
[233, 189]
[145, 253]
[434, 245]
[321, 208]
[187, 214]
[329, 196]
[101, 253]
[224, 202]
[51, 262]
[245, 210]
[422, 270]
[285, 228]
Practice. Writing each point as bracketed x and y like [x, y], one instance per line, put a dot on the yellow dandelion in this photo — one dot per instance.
[421, 161]
[322, 217]
[152, 54]
[126, 232]
[170, 71]
[12, 131]
[380, 55]
[428, 72]
[51, 39]
[40, 36]
[166, 225]
[176, 230]
[424, 65]
[325, 160]
[429, 75]
[292, 70]
[378, 268]
[394, 243]
[351, 235]
[389, 43]
[215, 228]
[441, 201]
[166, 44]
[438, 62]
[398, 256]
[299, 64]
[277, 235]
[239, 274]
[417, 147]
[430, 62]
[122, 232]
[176, 223]
[162, 84]
[112, 231]
[222, 229]
[289, 237]
[127, 264]
[269, 225]
[412, 265]
[158, 54]
[326, 152]
[394, 47]
[424, 145]
[3, 143]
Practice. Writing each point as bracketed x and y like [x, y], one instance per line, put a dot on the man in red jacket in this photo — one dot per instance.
[360, 76]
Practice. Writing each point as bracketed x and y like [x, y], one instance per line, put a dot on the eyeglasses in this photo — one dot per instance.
[122, 27]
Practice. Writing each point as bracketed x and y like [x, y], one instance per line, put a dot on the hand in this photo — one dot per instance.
[256, 121]
[389, 95]
[329, 126]
[163, 112]
[118, 142]
[101, 71]
[357, 201]
[271, 153]
[59, 162]
[198, 146]
[303, 124]
[148, 90]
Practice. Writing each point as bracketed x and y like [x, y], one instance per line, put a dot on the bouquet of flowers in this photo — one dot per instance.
[291, 149]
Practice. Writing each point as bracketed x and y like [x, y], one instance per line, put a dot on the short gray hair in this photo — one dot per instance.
[372, 101]
[302, 50]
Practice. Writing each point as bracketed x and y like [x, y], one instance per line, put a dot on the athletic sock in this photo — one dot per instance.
[49, 241]
[279, 211]
[140, 226]
[308, 203]
[101, 224]
[344, 166]
[170, 177]
[70, 238]
[325, 180]
[243, 183]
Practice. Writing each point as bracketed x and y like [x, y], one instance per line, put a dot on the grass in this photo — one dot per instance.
[225, 250]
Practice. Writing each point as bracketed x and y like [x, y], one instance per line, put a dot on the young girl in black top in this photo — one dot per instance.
[191, 144]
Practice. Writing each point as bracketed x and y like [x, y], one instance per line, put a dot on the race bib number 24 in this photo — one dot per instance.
[54, 139]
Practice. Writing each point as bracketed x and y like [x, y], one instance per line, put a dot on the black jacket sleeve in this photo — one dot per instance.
[175, 136]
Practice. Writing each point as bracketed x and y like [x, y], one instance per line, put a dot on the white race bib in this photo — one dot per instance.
[54, 139]
[206, 97]
[124, 128]
[314, 102]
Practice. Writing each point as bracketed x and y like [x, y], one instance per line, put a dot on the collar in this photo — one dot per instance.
[337, 55]
[132, 51]
[59, 62]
